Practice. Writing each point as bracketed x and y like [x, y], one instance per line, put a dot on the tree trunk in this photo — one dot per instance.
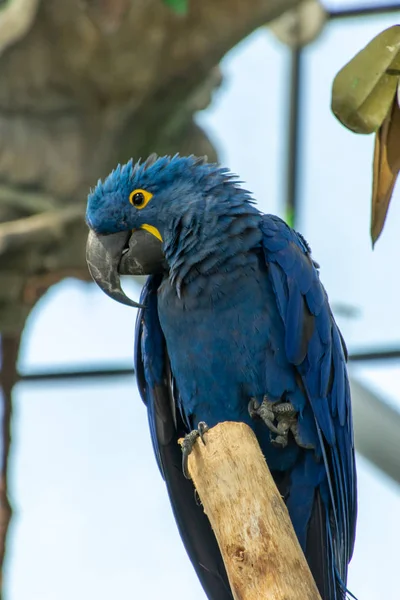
[85, 85]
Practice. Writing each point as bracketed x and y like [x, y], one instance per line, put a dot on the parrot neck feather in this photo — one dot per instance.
[211, 243]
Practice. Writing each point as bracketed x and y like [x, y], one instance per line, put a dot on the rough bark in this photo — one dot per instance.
[84, 85]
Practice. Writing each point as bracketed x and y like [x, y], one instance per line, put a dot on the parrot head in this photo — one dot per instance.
[136, 215]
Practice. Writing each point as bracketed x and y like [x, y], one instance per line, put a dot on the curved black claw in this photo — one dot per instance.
[202, 428]
[188, 443]
[197, 497]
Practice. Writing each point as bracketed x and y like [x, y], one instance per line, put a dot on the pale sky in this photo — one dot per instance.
[92, 519]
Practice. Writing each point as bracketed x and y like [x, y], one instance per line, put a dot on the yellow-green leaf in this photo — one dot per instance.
[363, 91]
[386, 167]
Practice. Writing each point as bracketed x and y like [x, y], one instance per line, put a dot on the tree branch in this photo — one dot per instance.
[8, 377]
[42, 228]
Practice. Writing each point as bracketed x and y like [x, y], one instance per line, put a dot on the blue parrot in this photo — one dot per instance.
[233, 325]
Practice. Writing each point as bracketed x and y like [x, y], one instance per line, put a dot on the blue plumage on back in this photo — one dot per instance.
[238, 315]
[322, 368]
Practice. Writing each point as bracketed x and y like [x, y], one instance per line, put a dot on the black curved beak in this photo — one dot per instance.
[123, 253]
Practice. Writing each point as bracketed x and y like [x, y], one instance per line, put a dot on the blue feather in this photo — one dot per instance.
[331, 406]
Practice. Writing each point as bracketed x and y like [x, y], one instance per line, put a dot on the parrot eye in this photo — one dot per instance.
[139, 198]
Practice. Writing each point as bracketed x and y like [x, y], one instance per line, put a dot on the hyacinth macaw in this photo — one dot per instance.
[233, 325]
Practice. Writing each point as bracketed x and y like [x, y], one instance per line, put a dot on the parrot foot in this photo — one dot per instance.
[263, 411]
[285, 415]
[294, 428]
[188, 443]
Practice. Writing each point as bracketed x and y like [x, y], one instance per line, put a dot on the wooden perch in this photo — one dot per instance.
[262, 556]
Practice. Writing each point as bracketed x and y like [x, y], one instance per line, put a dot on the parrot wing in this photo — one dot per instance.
[313, 344]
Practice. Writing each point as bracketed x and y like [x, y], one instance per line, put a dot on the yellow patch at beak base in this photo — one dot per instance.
[153, 230]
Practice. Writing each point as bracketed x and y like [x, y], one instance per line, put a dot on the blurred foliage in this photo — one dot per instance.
[386, 167]
[363, 90]
[366, 99]
[181, 7]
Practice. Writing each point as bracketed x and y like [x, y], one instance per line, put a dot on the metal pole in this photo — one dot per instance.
[366, 11]
[126, 370]
[293, 140]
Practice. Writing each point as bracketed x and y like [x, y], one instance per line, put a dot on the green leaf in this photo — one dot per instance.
[180, 7]
[363, 91]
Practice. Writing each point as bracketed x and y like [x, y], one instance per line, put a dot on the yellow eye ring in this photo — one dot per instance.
[140, 198]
